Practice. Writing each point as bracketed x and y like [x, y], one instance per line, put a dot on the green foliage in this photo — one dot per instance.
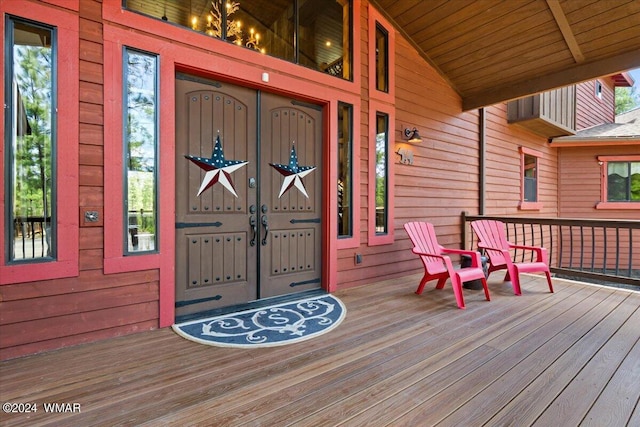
[627, 99]
[32, 149]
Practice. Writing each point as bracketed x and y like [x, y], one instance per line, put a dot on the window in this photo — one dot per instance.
[380, 183]
[598, 90]
[140, 157]
[39, 167]
[530, 178]
[316, 34]
[382, 59]
[31, 142]
[620, 183]
[345, 170]
[381, 173]
[381, 53]
[381, 129]
[623, 182]
[529, 185]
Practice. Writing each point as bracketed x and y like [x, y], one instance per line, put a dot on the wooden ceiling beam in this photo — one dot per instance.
[565, 28]
[571, 75]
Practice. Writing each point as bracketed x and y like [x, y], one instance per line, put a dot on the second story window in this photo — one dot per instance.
[598, 90]
[316, 34]
[382, 59]
[30, 141]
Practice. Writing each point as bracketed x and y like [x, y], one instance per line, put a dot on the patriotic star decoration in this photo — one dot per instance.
[217, 168]
[293, 173]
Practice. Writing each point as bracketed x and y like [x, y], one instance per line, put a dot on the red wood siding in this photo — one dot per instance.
[580, 176]
[50, 314]
[503, 167]
[591, 110]
[580, 192]
[443, 181]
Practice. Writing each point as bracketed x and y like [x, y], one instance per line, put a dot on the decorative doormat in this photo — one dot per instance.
[270, 326]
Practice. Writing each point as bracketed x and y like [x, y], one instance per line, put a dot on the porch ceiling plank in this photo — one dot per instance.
[496, 33]
[545, 49]
[565, 28]
[493, 51]
[395, 355]
[453, 18]
[425, 16]
[404, 10]
[582, 72]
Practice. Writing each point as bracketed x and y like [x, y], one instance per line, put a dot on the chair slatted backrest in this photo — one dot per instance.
[423, 237]
[491, 234]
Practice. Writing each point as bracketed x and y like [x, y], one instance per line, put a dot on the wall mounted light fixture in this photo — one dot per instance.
[412, 135]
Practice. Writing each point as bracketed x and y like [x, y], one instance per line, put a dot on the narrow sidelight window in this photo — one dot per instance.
[345, 170]
[140, 151]
[382, 59]
[381, 173]
[30, 141]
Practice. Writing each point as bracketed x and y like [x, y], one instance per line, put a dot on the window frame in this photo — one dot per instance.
[527, 205]
[349, 188]
[156, 150]
[353, 241]
[375, 20]
[297, 51]
[382, 70]
[603, 162]
[66, 263]
[115, 260]
[375, 238]
[598, 90]
[383, 102]
[10, 87]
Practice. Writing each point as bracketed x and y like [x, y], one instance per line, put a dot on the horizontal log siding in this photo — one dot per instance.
[590, 110]
[443, 181]
[51, 314]
[503, 167]
[579, 190]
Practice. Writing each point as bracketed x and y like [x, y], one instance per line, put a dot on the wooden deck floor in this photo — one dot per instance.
[398, 359]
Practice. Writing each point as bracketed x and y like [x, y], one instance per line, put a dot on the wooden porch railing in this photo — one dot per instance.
[599, 250]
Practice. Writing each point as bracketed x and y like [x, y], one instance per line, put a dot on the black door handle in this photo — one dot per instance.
[254, 227]
[265, 224]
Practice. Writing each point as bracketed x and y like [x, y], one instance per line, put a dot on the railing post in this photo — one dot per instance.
[463, 234]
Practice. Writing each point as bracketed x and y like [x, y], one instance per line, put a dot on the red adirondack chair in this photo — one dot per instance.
[437, 265]
[492, 238]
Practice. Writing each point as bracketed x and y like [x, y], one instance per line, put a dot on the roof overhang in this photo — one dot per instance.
[491, 51]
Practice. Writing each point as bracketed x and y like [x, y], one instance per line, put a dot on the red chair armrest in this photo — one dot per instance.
[541, 253]
[475, 256]
[419, 252]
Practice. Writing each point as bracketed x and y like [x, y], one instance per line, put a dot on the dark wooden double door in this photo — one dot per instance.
[253, 233]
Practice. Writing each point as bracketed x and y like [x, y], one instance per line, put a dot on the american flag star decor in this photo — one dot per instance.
[217, 168]
[293, 173]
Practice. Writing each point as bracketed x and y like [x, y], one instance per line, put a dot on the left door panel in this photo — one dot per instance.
[215, 234]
